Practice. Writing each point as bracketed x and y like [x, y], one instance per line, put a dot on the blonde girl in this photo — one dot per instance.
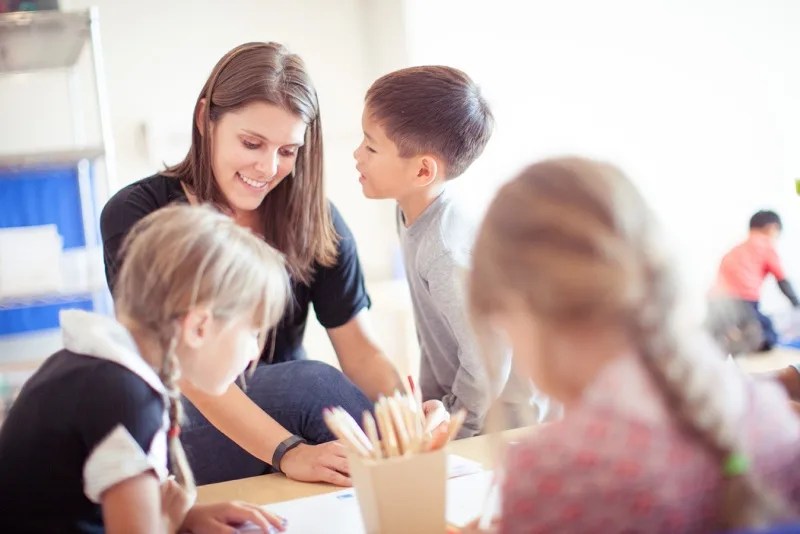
[85, 446]
[660, 435]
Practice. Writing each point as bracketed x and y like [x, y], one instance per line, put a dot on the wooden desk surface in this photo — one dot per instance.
[768, 361]
[275, 488]
[268, 489]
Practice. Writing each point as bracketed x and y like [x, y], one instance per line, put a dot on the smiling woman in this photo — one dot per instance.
[257, 149]
[256, 154]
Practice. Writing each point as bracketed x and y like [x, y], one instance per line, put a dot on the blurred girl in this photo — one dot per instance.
[659, 434]
[85, 445]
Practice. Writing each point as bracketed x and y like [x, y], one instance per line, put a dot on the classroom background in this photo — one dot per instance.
[697, 100]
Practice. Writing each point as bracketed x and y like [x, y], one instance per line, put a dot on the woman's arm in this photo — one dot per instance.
[361, 359]
[239, 418]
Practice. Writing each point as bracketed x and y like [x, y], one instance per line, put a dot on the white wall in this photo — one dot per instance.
[698, 100]
[157, 55]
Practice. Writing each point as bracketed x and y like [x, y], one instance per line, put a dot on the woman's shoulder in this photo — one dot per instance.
[345, 242]
[155, 191]
[338, 222]
[137, 200]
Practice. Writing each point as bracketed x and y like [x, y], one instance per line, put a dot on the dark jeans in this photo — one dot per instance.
[739, 326]
[770, 336]
[294, 394]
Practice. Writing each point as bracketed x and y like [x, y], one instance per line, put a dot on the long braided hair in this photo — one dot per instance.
[574, 238]
[180, 257]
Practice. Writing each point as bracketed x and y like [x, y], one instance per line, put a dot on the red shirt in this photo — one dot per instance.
[743, 269]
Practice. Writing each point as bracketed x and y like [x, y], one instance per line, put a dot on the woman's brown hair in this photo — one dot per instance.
[295, 215]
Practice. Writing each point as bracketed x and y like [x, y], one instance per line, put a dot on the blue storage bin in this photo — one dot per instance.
[33, 197]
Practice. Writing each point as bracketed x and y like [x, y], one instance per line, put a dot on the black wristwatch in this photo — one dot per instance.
[283, 447]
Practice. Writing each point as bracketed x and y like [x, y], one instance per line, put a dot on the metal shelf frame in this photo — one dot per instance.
[38, 41]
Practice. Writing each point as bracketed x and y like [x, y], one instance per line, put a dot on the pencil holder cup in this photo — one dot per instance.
[402, 494]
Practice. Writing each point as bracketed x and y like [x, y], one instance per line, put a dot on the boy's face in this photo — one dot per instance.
[382, 172]
[771, 231]
[774, 231]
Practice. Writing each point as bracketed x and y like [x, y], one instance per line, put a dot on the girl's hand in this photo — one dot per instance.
[225, 518]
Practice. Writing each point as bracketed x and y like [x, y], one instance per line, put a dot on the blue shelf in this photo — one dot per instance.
[47, 299]
[38, 317]
[43, 196]
[39, 196]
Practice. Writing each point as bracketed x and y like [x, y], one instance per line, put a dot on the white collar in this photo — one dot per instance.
[103, 337]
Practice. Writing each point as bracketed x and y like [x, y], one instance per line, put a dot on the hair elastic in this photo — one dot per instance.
[736, 464]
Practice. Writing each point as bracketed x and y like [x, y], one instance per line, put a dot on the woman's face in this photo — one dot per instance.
[253, 149]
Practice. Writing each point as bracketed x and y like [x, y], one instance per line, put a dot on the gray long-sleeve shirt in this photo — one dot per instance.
[437, 251]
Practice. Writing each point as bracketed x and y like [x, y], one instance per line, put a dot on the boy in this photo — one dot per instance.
[424, 126]
[743, 270]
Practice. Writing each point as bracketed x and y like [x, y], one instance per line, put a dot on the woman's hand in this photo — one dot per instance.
[326, 462]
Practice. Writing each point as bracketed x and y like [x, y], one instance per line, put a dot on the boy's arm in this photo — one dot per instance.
[787, 289]
[471, 389]
[775, 267]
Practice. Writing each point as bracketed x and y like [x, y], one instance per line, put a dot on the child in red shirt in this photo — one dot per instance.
[742, 272]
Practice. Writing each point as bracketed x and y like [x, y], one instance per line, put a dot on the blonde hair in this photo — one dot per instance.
[575, 240]
[182, 256]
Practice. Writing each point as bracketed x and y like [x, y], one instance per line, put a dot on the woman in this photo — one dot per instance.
[256, 153]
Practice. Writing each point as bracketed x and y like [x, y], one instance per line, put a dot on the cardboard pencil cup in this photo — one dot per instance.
[401, 494]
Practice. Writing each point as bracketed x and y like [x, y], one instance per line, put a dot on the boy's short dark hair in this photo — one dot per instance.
[764, 218]
[433, 109]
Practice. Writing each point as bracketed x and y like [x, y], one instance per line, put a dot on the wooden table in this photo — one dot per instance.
[768, 361]
[266, 489]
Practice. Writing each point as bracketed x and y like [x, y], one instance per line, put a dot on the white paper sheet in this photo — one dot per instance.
[339, 513]
[458, 466]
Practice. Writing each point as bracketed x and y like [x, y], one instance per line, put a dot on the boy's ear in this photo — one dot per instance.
[428, 170]
[200, 116]
[196, 327]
